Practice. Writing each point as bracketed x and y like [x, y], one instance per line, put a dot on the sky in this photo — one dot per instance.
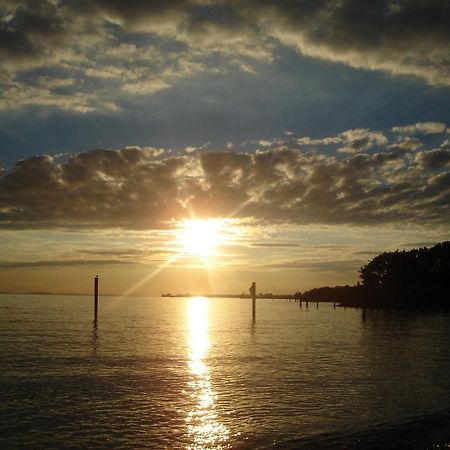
[197, 146]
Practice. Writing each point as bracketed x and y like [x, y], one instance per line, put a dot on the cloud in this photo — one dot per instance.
[129, 254]
[40, 41]
[145, 188]
[324, 141]
[317, 265]
[17, 96]
[115, 50]
[402, 38]
[418, 244]
[406, 143]
[274, 244]
[190, 149]
[434, 159]
[360, 140]
[354, 141]
[421, 128]
[59, 263]
[26, 28]
[367, 252]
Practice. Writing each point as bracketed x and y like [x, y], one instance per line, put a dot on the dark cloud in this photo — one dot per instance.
[30, 31]
[15, 44]
[136, 188]
[408, 37]
[172, 16]
[435, 159]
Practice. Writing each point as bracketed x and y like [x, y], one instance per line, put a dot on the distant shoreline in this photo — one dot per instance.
[242, 296]
[47, 293]
[187, 295]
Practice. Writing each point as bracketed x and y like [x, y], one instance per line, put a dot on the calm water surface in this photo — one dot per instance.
[197, 374]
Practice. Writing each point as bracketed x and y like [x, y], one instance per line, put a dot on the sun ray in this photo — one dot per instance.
[198, 242]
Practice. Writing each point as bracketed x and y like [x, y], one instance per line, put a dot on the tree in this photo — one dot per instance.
[418, 276]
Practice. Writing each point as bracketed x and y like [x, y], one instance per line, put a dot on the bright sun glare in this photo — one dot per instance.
[201, 237]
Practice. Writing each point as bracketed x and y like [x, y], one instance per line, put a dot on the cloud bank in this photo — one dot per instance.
[57, 53]
[146, 188]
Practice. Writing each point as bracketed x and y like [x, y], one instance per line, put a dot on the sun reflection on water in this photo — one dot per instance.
[204, 427]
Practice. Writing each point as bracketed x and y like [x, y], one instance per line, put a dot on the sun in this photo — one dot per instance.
[201, 238]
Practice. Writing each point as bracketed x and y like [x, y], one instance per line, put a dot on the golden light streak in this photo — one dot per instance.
[204, 428]
[143, 280]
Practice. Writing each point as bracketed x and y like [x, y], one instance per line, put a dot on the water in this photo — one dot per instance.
[197, 374]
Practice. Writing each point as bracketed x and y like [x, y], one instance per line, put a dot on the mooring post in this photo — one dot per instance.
[253, 292]
[334, 305]
[317, 305]
[95, 298]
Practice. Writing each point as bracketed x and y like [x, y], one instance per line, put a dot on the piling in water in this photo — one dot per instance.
[95, 298]
[253, 292]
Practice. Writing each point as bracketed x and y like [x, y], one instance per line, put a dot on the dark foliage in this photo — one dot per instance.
[339, 294]
[418, 278]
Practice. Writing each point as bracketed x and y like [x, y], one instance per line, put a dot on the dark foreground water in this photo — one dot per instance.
[196, 373]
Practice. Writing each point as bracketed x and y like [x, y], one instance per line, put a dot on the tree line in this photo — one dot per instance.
[414, 279]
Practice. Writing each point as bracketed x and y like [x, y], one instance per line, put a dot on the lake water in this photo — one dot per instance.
[198, 374]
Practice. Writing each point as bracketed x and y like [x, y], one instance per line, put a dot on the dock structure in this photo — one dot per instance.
[303, 301]
[95, 298]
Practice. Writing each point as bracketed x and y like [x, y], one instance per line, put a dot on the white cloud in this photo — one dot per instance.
[421, 128]
[324, 141]
[361, 139]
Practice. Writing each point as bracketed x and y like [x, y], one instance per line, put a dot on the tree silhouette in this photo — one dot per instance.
[418, 278]
[410, 278]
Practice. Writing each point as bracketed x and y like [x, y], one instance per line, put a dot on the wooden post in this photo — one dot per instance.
[334, 305]
[317, 305]
[95, 298]
[253, 292]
